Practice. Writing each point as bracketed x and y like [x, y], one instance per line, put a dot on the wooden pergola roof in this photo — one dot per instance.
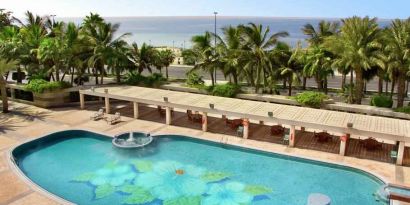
[363, 125]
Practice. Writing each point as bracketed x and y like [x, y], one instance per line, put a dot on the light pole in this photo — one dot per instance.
[52, 16]
[215, 13]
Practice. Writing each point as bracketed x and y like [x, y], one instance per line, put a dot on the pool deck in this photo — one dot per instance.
[27, 122]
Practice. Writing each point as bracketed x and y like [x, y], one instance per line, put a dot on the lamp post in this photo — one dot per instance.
[215, 13]
[52, 16]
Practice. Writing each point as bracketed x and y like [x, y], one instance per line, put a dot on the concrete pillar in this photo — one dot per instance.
[292, 135]
[107, 105]
[136, 111]
[168, 115]
[82, 102]
[245, 128]
[13, 93]
[204, 121]
[400, 153]
[343, 144]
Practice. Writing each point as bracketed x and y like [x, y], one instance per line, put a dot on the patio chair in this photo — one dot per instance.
[236, 123]
[194, 117]
[239, 131]
[98, 115]
[114, 119]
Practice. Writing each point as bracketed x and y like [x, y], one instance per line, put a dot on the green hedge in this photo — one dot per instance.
[405, 109]
[224, 90]
[40, 85]
[194, 80]
[311, 99]
[381, 101]
[154, 80]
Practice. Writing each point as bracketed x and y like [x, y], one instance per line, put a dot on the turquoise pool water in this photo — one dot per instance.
[85, 168]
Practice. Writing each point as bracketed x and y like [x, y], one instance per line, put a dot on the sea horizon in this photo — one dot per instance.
[177, 31]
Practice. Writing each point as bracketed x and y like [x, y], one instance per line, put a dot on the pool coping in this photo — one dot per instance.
[223, 140]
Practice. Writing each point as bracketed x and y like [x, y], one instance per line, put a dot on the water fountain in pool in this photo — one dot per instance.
[132, 140]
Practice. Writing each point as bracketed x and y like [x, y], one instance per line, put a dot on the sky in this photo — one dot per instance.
[387, 9]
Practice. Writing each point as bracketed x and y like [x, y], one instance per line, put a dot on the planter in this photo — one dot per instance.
[51, 99]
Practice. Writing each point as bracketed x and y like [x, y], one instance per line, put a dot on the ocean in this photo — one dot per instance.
[178, 31]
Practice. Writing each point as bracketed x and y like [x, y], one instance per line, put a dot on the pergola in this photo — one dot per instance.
[339, 122]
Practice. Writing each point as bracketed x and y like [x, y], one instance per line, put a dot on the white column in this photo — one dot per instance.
[292, 136]
[168, 115]
[245, 128]
[107, 105]
[400, 153]
[82, 103]
[136, 111]
[204, 121]
[343, 143]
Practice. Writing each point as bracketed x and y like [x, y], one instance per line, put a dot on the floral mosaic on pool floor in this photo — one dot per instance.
[170, 183]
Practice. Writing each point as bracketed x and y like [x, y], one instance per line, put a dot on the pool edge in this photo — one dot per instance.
[223, 141]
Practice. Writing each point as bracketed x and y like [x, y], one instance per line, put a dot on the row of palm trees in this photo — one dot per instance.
[358, 46]
[50, 49]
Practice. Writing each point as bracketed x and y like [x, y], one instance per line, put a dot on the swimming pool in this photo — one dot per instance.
[83, 167]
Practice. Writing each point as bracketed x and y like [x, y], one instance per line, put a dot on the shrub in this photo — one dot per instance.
[224, 90]
[153, 80]
[381, 101]
[311, 99]
[40, 85]
[194, 80]
[405, 109]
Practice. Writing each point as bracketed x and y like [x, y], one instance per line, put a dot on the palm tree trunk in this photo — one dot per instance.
[343, 84]
[212, 78]
[304, 83]
[284, 83]
[359, 85]
[401, 88]
[380, 90]
[290, 86]
[72, 76]
[118, 75]
[365, 87]
[393, 83]
[4, 98]
[387, 87]
[325, 86]
[166, 72]
[407, 89]
[235, 78]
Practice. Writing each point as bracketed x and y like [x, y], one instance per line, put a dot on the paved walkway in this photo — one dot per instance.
[27, 122]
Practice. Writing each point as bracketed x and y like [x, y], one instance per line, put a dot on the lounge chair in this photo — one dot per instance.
[114, 119]
[98, 115]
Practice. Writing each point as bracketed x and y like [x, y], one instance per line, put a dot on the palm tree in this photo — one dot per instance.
[102, 39]
[204, 54]
[398, 50]
[316, 36]
[143, 57]
[5, 18]
[357, 47]
[168, 58]
[257, 43]
[5, 66]
[228, 49]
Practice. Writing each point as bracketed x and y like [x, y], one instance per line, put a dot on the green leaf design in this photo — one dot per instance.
[84, 177]
[103, 191]
[143, 166]
[257, 190]
[195, 200]
[138, 195]
[215, 176]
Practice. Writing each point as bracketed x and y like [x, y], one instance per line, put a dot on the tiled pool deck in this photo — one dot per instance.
[28, 122]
